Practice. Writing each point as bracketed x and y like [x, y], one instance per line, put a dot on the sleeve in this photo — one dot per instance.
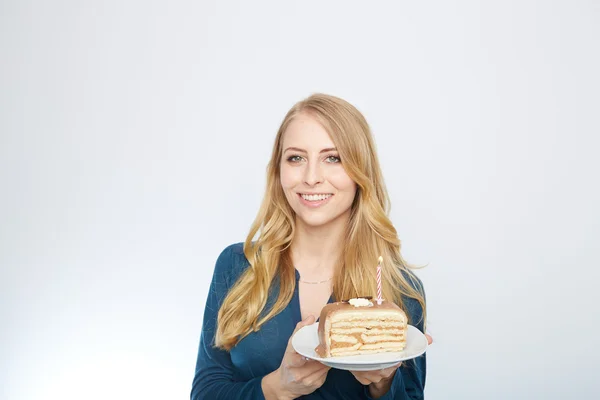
[214, 377]
[409, 381]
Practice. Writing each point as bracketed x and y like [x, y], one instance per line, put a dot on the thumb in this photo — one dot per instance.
[306, 321]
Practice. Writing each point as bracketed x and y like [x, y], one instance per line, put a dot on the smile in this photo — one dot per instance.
[316, 197]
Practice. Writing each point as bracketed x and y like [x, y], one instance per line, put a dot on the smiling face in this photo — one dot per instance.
[312, 176]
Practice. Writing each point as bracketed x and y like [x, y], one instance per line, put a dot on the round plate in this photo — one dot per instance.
[306, 339]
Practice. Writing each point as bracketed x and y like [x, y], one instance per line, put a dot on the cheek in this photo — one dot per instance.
[343, 182]
[288, 178]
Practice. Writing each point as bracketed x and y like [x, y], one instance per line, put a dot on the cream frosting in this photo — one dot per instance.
[360, 302]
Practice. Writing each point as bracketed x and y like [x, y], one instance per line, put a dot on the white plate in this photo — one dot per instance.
[306, 339]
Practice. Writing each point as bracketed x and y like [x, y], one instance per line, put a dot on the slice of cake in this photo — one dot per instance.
[360, 326]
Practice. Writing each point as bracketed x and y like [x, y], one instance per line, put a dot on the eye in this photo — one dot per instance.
[333, 159]
[294, 159]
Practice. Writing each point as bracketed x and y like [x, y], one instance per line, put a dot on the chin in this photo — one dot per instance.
[316, 221]
[313, 220]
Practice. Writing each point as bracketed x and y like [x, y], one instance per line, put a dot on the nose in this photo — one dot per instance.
[313, 174]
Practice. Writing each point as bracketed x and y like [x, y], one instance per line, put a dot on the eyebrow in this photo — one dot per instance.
[304, 151]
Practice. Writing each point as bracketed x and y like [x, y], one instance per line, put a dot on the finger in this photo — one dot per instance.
[306, 321]
[361, 378]
[367, 377]
[376, 377]
[429, 338]
[319, 366]
[311, 366]
[395, 367]
[316, 378]
[387, 372]
[295, 360]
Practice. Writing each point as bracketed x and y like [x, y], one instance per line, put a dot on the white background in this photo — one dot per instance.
[134, 141]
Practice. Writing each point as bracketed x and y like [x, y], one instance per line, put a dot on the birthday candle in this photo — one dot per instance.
[379, 298]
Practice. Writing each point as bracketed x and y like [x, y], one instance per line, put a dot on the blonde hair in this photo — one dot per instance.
[369, 234]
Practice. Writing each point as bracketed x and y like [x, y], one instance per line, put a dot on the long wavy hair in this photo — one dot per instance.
[369, 233]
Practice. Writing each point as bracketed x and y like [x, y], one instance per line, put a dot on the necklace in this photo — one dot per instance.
[315, 283]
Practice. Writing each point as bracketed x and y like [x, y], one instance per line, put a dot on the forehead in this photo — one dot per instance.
[307, 133]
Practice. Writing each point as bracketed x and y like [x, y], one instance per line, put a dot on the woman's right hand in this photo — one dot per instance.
[296, 376]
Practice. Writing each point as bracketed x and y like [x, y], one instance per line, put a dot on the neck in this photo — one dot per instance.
[315, 251]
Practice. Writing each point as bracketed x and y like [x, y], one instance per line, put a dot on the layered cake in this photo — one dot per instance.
[361, 326]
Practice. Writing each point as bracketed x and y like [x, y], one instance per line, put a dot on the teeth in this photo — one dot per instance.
[315, 197]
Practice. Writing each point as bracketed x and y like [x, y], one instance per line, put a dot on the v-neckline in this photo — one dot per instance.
[297, 314]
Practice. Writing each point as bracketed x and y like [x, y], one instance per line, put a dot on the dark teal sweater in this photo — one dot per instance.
[222, 375]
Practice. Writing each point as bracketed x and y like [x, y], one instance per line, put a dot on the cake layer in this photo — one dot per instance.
[337, 353]
[358, 345]
[387, 345]
[345, 347]
[357, 337]
[397, 330]
[343, 339]
[375, 347]
[381, 338]
[348, 340]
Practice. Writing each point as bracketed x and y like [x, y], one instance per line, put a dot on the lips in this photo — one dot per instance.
[315, 200]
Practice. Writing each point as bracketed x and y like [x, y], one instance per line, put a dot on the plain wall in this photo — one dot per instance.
[135, 137]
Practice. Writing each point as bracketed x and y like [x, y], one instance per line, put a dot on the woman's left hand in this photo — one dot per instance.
[379, 381]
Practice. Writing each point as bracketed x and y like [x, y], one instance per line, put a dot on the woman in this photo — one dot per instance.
[317, 237]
